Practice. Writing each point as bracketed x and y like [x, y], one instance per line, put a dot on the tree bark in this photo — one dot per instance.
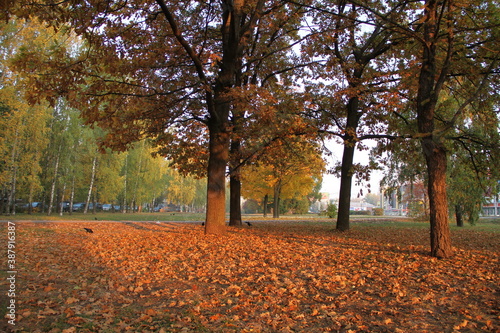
[215, 222]
[429, 86]
[266, 198]
[345, 187]
[54, 181]
[235, 200]
[440, 231]
[91, 186]
[235, 186]
[61, 202]
[276, 203]
[346, 171]
[11, 199]
[459, 215]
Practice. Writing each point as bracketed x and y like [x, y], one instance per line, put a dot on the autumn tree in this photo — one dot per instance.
[23, 127]
[457, 56]
[141, 70]
[291, 169]
[450, 79]
[24, 138]
[184, 191]
[50, 156]
[350, 90]
[473, 170]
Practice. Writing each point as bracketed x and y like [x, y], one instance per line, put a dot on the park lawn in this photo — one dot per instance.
[109, 216]
[165, 217]
[270, 277]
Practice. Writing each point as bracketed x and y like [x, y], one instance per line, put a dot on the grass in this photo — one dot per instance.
[488, 224]
[106, 216]
[166, 216]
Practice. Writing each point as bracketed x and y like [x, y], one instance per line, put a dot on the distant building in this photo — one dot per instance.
[360, 204]
[491, 206]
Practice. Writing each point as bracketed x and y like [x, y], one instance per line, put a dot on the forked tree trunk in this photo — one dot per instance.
[235, 27]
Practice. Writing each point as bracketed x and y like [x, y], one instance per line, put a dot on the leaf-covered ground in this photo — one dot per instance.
[271, 277]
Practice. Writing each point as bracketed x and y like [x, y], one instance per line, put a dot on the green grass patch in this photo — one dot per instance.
[107, 216]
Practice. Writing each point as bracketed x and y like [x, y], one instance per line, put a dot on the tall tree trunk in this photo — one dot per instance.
[61, 202]
[54, 181]
[234, 32]
[346, 171]
[11, 199]
[235, 185]
[218, 123]
[91, 186]
[276, 203]
[429, 86]
[12, 192]
[440, 230]
[459, 215]
[137, 180]
[345, 187]
[235, 199]
[215, 222]
[125, 184]
[266, 199]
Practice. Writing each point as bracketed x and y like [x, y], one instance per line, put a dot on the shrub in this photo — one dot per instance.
[331, 211]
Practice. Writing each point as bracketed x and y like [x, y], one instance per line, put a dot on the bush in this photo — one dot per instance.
[416, 209]
[331, 211]
[378, 211]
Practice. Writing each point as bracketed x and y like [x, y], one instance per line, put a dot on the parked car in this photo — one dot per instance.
[65, 206]
[78, 206]
[98, 206]
[35, 207]
[159, 208]
[106, 207]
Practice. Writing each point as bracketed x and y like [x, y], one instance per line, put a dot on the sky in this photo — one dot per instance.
[331, 183]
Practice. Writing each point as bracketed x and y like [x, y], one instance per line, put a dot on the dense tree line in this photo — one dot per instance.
[50, 157]
[53, 159]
